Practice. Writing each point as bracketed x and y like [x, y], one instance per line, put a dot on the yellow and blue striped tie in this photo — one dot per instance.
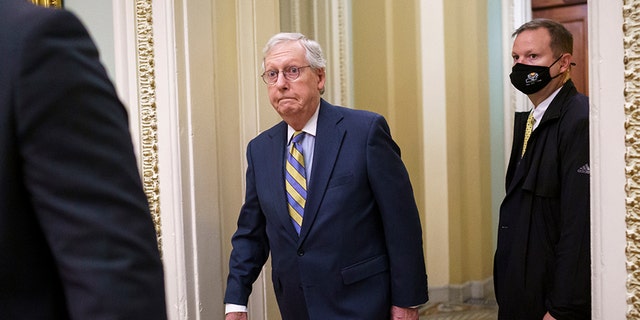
[296, 181]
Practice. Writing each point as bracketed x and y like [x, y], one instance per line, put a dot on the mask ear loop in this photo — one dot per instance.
[560, 57]
[573, 64]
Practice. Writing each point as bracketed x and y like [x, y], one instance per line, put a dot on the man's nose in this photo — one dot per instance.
[281, 81]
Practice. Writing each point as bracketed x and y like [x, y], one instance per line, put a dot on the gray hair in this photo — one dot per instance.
[313, 50]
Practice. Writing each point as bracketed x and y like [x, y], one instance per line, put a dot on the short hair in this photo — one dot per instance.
[561, 38]
[313, 50]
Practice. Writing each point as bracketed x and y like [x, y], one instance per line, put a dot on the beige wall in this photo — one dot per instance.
[386, 75]
[387, 80]
[468, 139]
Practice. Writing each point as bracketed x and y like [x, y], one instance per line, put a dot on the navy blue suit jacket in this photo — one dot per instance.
[76, 237]
[360, 247]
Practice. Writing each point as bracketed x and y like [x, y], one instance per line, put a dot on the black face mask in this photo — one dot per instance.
[531, 79]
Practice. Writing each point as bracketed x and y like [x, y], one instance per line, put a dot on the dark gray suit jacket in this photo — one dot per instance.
[76, 237]
[543, 257]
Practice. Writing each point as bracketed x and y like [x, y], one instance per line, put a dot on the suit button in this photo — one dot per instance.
[301, 253]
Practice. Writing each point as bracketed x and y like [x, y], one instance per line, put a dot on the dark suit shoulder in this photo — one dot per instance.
[574, 109]
[577, 106]
[279, 130]
[350, 118]
[571, 101]
[14, 34]
[30, 34]
[349, 112]
[14, 13]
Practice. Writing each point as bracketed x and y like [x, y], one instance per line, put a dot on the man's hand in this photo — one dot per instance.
[398, 313]
[236, 316]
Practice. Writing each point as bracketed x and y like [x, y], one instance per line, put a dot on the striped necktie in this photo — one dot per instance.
[296, 181]
[527, 132]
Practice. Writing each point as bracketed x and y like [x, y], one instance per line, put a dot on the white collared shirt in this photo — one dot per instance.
[308, 143]
[538, 112]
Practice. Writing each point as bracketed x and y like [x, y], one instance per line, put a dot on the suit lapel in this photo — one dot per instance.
[329, 137]
[514, 170]
[519, 174]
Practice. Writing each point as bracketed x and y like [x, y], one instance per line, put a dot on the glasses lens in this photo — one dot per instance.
[292, 73]
[270, 76]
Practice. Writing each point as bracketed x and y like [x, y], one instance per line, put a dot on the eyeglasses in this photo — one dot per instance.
[290, 73]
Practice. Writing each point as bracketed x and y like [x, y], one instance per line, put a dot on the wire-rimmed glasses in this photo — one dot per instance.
[290, 73]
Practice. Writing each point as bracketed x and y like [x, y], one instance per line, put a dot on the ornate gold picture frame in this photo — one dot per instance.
[48, 3]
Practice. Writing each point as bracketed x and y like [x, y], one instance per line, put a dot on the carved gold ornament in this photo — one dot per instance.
[48, 3]
[147, 109]
[631, 29]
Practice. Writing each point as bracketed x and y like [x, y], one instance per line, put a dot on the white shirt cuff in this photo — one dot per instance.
[230, 307]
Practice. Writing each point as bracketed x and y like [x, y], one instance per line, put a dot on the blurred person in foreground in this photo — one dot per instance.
[329, 197]
[76, 236]
[542, 264]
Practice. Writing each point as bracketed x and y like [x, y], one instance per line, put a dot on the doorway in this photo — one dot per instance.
[573, 15]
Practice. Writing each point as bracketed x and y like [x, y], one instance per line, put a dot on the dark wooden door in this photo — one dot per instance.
[573, 15]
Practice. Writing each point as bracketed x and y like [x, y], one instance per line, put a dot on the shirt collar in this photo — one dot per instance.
[309, 128]
[538, 112]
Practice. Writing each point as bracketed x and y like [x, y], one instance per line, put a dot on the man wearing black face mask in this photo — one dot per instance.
[542, 262]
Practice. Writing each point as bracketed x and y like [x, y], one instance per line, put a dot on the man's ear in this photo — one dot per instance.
[321, 79]
[565, 62]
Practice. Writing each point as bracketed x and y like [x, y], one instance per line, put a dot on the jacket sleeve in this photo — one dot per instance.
[80, 171]
[250, 244]
[571, 297]
[403, 232]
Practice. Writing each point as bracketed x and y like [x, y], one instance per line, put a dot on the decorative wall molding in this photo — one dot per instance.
[471, 290]
[342, 85]
[48, 3]
[514, 14]
[329, 23]
[631, 30]
[147, 109]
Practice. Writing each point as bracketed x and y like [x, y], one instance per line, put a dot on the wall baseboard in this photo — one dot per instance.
[472, 290]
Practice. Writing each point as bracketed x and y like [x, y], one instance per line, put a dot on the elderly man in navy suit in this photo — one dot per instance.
[329, 197]
[76, 236]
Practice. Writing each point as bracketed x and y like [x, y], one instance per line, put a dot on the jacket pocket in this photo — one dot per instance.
[365, 269]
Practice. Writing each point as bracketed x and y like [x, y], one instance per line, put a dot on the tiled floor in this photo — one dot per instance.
[471, 310]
